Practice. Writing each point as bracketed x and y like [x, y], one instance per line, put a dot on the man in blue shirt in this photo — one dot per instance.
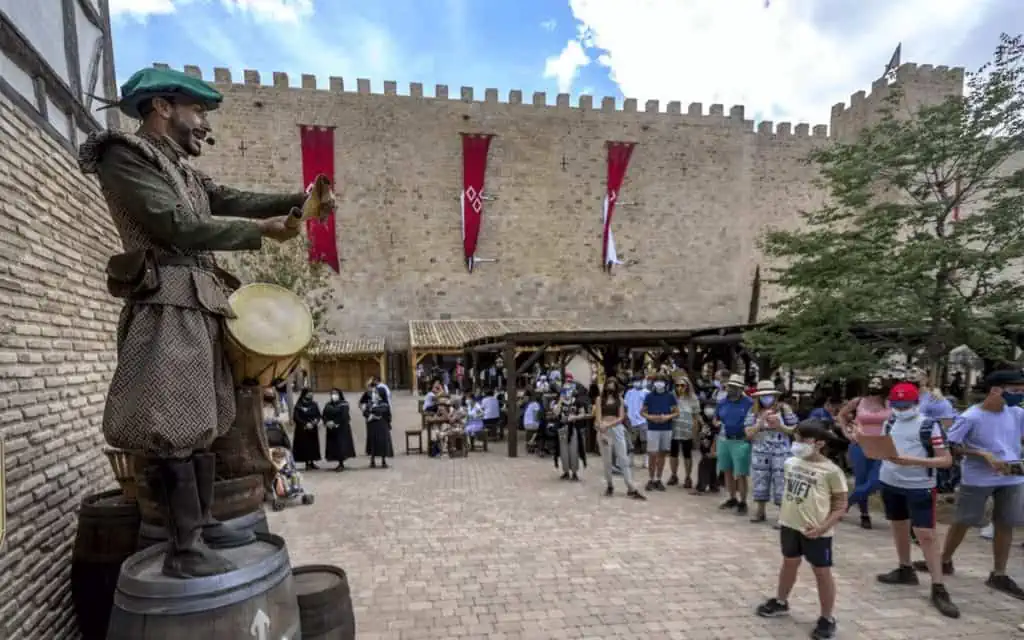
[659, 409]
[733, 446]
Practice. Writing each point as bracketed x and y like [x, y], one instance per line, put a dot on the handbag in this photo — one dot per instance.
[131, 275]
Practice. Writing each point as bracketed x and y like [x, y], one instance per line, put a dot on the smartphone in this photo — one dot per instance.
[1016, 468]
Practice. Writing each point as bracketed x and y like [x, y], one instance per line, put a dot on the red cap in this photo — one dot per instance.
[568, 377]
[903, 392]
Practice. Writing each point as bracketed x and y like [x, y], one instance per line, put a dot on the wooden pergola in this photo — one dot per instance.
[591, 340]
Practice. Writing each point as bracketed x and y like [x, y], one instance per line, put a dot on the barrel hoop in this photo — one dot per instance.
[204, 594]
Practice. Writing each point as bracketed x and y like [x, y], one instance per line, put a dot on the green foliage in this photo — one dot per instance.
[887, 247]
[286, 265]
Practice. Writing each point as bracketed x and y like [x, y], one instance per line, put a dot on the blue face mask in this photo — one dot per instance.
[1013, 398]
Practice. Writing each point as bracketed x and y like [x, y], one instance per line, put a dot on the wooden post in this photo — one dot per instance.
[382, 364]
[412, 367]
[512, 401]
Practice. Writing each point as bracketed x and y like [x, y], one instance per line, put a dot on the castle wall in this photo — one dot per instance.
[702, 186]
[57, 326]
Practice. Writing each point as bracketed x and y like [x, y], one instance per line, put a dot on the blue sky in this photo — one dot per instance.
[790, 60]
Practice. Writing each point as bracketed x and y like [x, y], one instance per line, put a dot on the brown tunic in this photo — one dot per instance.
[172, 391]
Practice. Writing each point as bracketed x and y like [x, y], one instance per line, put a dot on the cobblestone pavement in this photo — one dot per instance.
[498, 548]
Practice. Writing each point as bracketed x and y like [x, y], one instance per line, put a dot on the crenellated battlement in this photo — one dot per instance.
[715, 114]
[940, 79]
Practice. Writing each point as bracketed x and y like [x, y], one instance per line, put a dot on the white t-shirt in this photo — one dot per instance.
[634, 405]
[492, 410]
[530, 417]
[906, 435]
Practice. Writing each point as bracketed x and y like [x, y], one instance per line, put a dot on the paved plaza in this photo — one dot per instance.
[499, 548]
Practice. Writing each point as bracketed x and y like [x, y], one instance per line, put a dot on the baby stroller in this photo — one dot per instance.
[287, 484]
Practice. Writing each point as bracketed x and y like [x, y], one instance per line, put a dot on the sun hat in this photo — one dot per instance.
[766, 388]
[736, 380]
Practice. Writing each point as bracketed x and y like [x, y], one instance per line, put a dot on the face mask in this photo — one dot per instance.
[709, 412]
[733, 393]
[659, 387]
[638, 385]
[801, 450]
[1013, 398]
[767, 401]
[903, 414]
[335, 397]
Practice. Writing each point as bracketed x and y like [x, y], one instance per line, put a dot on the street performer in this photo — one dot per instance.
[172, 393]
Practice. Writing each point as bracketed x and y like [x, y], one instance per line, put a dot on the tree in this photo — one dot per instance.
[889, 247]
[286, 264]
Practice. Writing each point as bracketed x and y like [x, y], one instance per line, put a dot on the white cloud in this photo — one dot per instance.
[262, 10]
[549, 25]
[565, 66]
[780, 61]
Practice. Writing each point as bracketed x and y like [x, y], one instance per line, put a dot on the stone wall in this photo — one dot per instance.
[702, 186]
[57, 328]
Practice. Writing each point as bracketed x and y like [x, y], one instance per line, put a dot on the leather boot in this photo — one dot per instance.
[174, 482]
[215, 533]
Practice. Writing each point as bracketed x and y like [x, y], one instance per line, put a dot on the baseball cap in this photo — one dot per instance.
[903, 395]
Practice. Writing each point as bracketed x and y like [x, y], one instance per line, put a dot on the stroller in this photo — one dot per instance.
[287, 484]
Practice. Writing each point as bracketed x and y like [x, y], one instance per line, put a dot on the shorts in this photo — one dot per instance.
[659, 441]
[1006, 505]
[638, 436]
[734, 456]
[817, 551]
[916, 505]
[681, 446]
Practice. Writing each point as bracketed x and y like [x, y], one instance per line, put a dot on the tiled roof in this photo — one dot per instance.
[328, 349]
[453, 334]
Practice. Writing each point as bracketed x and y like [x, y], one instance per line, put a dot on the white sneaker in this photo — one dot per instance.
[645, 462]
[988, 532]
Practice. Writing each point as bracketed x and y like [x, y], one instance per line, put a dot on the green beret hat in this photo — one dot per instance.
[164, 83]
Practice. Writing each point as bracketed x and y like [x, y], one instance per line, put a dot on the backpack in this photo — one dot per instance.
[947, 478]
[924, 433]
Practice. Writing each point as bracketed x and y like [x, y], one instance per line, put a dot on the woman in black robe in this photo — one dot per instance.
[338, 438]
[377, 411]
[306, 419]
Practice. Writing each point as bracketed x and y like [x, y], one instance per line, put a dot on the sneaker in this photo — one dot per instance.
[649, 486]
[673, 481]
[900, 575]
[575, 478]
[758, 517]
[731, 503]
[636, 495]
[564, 476]
[688, 484]
[773, 608]
[987, 533]
[617, 471]
[825, 628]
[1005, 584]
[922, 566]
[610, 491]
[741, 509]
[865, 521]
[942, 602]
[659, 485]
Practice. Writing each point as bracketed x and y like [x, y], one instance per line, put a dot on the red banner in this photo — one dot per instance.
[474, 167]
[618, 161]
[317, 158]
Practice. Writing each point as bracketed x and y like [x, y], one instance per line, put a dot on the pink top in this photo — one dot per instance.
[871, 418]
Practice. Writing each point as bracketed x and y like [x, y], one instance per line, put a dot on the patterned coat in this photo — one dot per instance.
[172, 392]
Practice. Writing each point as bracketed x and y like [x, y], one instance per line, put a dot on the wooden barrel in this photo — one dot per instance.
[108, 526]
[150, 534]
[325, 604]
[231, 499]
[257, 600]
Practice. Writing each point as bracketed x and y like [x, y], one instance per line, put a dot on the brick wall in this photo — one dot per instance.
[57, 328]
[703, 185]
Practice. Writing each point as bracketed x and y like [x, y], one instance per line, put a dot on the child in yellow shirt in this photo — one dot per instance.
[814, 500]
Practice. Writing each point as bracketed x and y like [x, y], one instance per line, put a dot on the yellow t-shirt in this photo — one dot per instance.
[810, 486]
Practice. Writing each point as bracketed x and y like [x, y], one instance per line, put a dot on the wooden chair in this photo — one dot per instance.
[409, 435]
[479, 438]
[457, 446]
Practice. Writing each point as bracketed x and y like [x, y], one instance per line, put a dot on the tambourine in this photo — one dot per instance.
[319, 191]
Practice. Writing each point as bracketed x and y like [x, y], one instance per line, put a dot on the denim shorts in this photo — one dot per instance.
[659, 441]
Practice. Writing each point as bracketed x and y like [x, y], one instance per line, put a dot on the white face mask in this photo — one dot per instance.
[903, 414]
[767, 401]
[638, 385]
[335, 397]
[659, 387]
[801, 450]
[269, 413]
[709, 412]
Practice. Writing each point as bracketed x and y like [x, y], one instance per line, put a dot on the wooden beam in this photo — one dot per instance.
[71, 47]
[537, 355]
[383, 365]
[413, 361]
[512, 403]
